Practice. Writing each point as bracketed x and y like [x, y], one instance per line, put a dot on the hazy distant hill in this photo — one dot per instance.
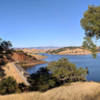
[48, 47]
[40, 47]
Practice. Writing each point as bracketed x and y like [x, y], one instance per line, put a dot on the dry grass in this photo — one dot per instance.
[78, 51]
[11, 70]
[39, 57]
[75, 91]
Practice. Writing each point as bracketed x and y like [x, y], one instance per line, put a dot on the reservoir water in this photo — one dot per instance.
[80, 61]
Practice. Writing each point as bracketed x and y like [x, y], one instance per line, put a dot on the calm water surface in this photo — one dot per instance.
[80, 60]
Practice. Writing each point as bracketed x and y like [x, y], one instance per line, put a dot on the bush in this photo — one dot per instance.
[56, 74]
[23, 87]
[65, 71]
[2, 74]
[8, 86]
[42, 80]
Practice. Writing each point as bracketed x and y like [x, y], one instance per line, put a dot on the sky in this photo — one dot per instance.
[32, 23]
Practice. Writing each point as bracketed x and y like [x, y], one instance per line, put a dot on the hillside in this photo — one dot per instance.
[33, 50]
[39, 57]
[25, 60]
[17, 72]
[19, 57]
[75, 91]
[70, 51]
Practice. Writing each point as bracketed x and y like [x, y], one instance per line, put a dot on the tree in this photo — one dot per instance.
[5, 54]
[8, 86]
[88, 44]
[2, 74]
[4, 45]
[5, 50]
[42, 80]
[56, 74]
[65, 71]
[91, 24]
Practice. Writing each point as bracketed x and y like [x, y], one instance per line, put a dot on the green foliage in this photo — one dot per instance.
[56, 74]
[65, 71]
[2, 74]
[42, 80]
[5, 46]
[88, 44]
[5, 51]
[23, 87]
[91, 21]
[8, 86]
[5, 54]
[91, 24]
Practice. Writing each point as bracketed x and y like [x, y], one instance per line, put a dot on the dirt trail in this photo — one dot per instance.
[11, 69]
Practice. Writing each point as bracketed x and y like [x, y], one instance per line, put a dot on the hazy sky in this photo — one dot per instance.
[28, 23]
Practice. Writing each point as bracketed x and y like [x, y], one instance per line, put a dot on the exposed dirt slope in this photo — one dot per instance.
[25, 60]
[15, 71]
[22, 57]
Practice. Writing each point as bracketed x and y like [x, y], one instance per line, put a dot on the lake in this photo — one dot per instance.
[80, 61]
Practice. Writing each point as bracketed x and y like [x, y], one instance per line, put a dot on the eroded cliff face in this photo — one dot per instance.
[22, 57]
[26, 60]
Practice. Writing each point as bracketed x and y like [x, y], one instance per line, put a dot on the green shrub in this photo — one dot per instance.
[65, 71]
[55, 74]
[23, 87]
[42, 80]
[8, 86]
[2, 74]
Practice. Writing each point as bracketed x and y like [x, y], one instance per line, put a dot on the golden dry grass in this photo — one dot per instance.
[11, 70]
[39, 57]
[75, 91]
[77, 51]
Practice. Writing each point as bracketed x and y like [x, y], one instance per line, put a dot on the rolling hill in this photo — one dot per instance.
[73, 91]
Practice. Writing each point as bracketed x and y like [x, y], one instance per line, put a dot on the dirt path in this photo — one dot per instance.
[11, 69]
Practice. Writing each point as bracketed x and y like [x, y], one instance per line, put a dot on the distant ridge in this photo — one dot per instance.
[40, 47]
[48, 47]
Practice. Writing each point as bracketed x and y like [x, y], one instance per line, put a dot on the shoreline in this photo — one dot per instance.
[40, 61]
[28, 65]
[73, 54]
[39, 57]
[34, 63]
